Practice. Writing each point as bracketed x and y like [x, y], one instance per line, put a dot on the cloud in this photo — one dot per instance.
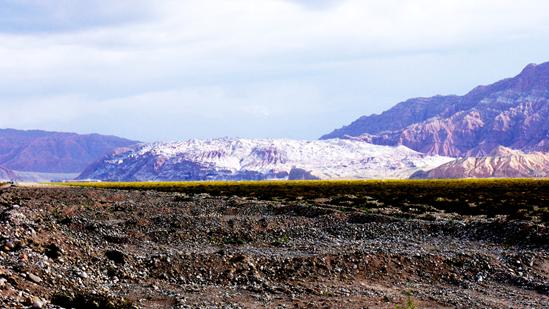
[50, 16]
[316, 4]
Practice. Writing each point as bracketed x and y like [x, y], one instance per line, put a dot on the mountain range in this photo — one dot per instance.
[513, 112]
[498, 130]
[257, 159]
[54, 152]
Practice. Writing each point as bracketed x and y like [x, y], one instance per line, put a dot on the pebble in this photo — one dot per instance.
[37, 303]
[34, 278]
[83, 274]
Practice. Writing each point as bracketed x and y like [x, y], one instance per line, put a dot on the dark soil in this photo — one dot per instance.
[99, 248]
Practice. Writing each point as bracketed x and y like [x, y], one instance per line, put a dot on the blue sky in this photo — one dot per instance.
[168, 70]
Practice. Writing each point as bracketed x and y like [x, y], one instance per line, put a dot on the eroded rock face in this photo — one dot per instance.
[501, 162]
[512, 113]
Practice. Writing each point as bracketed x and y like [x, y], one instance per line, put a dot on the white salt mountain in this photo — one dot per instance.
[255, 159]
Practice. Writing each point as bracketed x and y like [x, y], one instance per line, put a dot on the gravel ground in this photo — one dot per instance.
[93, 248]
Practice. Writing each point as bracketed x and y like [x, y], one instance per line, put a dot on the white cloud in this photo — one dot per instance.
[48, 16]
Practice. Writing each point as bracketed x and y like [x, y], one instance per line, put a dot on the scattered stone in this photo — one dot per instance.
[176, 251]
[34, 278]
[83, 274]
[37, 303]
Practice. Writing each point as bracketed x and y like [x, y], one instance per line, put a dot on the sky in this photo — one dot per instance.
[173, 70]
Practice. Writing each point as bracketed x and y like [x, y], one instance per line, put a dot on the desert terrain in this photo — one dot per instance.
[114, 248]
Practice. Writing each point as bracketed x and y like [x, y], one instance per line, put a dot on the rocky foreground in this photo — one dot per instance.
[77, 247]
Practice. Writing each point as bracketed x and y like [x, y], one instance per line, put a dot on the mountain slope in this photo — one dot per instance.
[246, 159]
[6, 174]
[54, 152]
[512, 113]
[502, 162]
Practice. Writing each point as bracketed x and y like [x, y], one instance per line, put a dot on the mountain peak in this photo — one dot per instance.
[533, 77]
[529, 67]
[512, 112]
[502, 151]
[542, 68]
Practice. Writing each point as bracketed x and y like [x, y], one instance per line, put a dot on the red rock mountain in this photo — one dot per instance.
[54, 152]
[513, 112]
[502, 162]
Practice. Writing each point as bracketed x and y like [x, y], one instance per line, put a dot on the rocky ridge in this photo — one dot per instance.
[501, 162]
[512, 113]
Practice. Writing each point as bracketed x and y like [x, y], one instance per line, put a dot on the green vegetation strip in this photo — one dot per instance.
[319, 186]
[519, 198]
